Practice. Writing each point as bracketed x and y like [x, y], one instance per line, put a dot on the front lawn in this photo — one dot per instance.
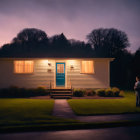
[28, 112]
[105, 106]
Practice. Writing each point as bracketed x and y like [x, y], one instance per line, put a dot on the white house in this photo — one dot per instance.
[59, 72]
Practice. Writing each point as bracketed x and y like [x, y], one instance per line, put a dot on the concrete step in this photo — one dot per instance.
[60, 94]
[60, 89]
[61, 97]
[67, 91]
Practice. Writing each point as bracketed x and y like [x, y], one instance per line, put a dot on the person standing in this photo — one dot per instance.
[137, 89]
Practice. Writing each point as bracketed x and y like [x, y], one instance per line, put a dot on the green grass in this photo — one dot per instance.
[34, 114]
[105, 106]
[28, 112]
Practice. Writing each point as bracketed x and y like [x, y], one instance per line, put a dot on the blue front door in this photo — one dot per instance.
[60, 74]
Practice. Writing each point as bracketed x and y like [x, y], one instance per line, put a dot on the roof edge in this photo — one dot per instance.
[36, 58]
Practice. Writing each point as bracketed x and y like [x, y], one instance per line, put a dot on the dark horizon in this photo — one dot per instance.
[74, 18]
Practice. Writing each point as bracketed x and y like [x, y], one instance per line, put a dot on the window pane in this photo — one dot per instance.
[87, 67]
[23, 66]
[60, 68]
[28, 67]
[19, 66]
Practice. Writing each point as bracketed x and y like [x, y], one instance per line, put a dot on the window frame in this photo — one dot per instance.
[24, 67]
[90, 72]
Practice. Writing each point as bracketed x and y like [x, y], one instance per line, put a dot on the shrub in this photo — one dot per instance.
[90, 92]
[115, 91]
[121, 93]
[93, 92]
[4, 92]
[100, 92]
[40, 91]
[23, 93]
[108, 92]
[79, 92]
[15, 92]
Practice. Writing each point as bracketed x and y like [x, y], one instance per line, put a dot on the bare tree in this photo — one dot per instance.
[108, 42]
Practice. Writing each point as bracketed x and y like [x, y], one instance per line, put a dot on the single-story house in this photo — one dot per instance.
[59, 72]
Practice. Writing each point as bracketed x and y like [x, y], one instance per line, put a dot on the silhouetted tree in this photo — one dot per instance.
[113, 43]
[108, 42]
[136, 62]
[121, 70]
[59, 41]
[30, 35]
[29, 42]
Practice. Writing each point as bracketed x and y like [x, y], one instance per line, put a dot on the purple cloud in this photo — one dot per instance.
[75, 18]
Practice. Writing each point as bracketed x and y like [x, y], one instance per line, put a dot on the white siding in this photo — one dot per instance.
[42, 74]
[100, 79]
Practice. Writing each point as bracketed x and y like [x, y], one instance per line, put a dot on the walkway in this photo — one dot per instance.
[109, 118]
[118, 133]
[62, 109]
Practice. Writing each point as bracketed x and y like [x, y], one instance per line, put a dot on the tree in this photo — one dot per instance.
[59, 41]
[136, 66]
[107, 42]
[30, 35]
[113, 43]
[121, 71]
[28, 42]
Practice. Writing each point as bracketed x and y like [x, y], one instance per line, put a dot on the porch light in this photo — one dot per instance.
[49, 64]
[46, 62]
[71, 64]
[71, 67]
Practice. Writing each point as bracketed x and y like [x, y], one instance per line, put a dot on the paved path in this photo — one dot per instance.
[119, 133]
[108, 118]
[62, 109]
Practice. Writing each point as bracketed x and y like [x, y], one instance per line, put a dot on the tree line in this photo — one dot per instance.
[35, 43]
[101, 42]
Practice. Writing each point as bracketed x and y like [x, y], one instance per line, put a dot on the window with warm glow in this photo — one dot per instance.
[60, 68]
[23, 66]
[87, 67]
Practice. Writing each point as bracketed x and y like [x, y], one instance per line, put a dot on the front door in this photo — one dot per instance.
[60, 74]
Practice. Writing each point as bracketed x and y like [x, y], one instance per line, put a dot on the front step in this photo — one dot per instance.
[63, 89]
[61, 93]
[61, 97]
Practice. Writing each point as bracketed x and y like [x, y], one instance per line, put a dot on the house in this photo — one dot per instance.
[57, 72]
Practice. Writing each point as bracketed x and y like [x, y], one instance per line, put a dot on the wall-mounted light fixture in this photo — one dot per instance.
[71, 67]
[49, 64]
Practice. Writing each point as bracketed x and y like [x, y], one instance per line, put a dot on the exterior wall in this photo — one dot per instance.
[43, 74]
[100, 78]
[40, 77]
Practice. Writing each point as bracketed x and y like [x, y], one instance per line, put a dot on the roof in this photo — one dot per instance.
[58, 54]
[110, 59]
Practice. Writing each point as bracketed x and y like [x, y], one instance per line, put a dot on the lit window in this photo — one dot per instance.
[60, 68]
[87, 67]
[23, 66]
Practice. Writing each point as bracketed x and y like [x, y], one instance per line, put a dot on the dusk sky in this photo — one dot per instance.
[75, 18]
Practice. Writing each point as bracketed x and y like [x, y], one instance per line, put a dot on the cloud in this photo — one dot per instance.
[75, 18]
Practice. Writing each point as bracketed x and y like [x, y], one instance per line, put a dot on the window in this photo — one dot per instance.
[60, 68]
[87, 67]
[23, 66]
